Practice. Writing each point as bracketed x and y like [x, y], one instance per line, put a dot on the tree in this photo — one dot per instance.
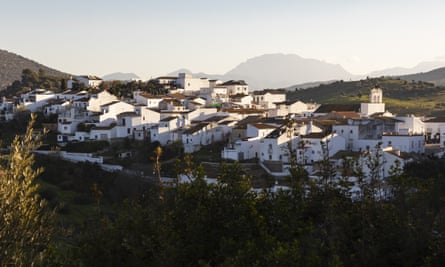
[157, 170]
[25, 222]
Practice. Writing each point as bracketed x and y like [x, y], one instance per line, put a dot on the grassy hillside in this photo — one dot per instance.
[401, 97]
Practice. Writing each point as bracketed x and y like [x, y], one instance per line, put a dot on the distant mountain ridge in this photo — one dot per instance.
[436, 76]
[120, 76]
[279, 71]
[282, 70]
[397, 71]
[12, 65]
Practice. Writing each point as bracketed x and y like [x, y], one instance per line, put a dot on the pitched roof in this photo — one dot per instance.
[277, 132]
[270, 91]
[288, 102]
[262, 125]
[327, 108]
[90, 77]
[127, 114]
[242, 124]
[234, 82]
[436, 119]
[110, 103]
[244, 111]
[315, 135]
[170, 118]
[196, 128]
[345, 114]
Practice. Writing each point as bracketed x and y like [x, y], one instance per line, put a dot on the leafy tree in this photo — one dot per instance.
[25, 222]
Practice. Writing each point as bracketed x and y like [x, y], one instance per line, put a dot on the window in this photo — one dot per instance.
[128, 131]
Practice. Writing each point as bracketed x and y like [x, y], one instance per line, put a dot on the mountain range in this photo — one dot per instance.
[279, 71]
[265, 71]
[292, 71]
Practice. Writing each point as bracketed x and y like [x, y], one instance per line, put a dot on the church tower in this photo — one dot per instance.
[375, 104]
[375, 96]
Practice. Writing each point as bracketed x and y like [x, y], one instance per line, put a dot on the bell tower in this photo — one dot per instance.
[375, 96]
[375, 103]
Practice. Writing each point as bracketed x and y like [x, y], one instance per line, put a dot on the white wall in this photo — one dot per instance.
[410, 125]
[100, 99]
[111, 111]
[247, 149]
[405, 143]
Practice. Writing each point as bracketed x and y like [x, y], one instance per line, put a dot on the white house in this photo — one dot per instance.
[110, 110]
[405, 143]
[36, 99]
[103, 132]
[201, 134]
[215, 94]
[249, 147]
[241, 100]
[7, 109]
[148, 116]
[166, 132]
[127, 124]
[150, 101]
[410, 125]
[267, 99]
[435, 130]
[89, 81]
[318, 146]
[97, 100]
[289, 107]
[190, 84]
[235, 87]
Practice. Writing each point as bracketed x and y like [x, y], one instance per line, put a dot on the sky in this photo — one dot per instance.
[155, 37]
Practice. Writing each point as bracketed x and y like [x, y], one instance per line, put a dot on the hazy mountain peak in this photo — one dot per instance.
[120, 76]
[424, 66]
[281, 70]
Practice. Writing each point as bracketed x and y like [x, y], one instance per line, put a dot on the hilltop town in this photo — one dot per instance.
[260, 126]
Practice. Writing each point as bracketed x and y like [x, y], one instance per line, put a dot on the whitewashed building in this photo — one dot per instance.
[268, 99]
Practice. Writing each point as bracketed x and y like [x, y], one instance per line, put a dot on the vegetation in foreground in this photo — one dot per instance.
[317, 223]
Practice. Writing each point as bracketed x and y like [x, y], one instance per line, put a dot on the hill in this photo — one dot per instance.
[279, 71]
[436, 76]
[12, 65]
[397, 71]
[120, 76]
[401, 97]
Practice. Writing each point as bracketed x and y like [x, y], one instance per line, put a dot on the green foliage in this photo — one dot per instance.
[31, 80]
[126, 89]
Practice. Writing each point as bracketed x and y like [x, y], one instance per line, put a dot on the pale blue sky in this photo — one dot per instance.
[154, 37]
